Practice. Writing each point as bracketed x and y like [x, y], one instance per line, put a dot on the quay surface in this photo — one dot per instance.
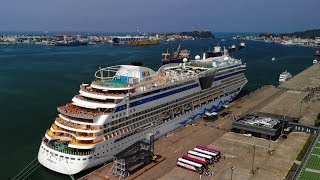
[296, 98]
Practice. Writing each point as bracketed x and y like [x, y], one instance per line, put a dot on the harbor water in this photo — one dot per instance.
[35, 79]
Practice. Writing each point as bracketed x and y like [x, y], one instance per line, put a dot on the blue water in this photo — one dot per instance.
[35, 79]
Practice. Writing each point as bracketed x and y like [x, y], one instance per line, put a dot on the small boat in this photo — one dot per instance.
[170, 39]
[235, 48]
[315, 61]
[210, 116]
[317, 53]
[241, 45]
[273, 59]
[284, 76]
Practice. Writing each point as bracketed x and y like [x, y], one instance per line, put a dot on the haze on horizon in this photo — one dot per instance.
[160, 16]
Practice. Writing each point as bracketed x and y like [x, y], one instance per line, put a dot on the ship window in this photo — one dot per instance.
[67, 157]
[84, 159]
[78, 159]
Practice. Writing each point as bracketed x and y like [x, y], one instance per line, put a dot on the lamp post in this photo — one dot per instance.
[254, 151]
[269, 143]
[231, 172]
[269, 150]
[300, 108]
[282, 126]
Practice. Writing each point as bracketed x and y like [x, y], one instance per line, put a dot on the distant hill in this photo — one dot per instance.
[305, 34]
[311, 34]
[198, 34]
[195, 34]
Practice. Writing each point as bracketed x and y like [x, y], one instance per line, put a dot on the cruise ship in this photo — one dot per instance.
[125, 102]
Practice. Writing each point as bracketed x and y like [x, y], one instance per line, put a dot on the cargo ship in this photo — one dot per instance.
[126, 102]
[178, 56]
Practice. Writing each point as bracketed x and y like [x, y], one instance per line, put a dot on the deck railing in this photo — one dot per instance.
[76, 125]
[68, 151]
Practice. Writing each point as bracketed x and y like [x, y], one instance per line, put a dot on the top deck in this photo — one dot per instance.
[125, 77]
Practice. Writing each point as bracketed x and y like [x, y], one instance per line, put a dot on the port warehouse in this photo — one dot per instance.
[259, 126]
[310, 168]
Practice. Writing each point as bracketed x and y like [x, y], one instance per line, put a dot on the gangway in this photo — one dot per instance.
[134, 157]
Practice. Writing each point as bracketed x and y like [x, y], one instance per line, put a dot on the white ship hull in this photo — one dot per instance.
[106, 150]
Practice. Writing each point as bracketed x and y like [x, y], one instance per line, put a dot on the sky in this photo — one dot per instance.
[159, 15]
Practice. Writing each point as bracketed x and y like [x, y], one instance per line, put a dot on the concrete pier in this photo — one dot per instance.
[297, 99]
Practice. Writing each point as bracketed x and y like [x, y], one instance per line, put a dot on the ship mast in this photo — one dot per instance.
[165, 55]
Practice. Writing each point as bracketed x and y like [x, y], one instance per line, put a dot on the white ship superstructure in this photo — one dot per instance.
[126, 102]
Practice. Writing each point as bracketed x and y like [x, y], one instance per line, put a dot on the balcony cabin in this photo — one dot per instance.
[82, 112]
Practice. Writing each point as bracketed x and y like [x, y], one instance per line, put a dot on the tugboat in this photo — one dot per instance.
[234, 47]
[284, 76]
[178, 56]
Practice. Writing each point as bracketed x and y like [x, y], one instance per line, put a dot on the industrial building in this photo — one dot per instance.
[259, 126]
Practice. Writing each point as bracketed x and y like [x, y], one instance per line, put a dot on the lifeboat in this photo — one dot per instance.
[196, 103]
[187, 106]
[166, 114]
[203, 100]
[177, 110]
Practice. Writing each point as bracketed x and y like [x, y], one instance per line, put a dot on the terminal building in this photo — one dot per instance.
[259, 126]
